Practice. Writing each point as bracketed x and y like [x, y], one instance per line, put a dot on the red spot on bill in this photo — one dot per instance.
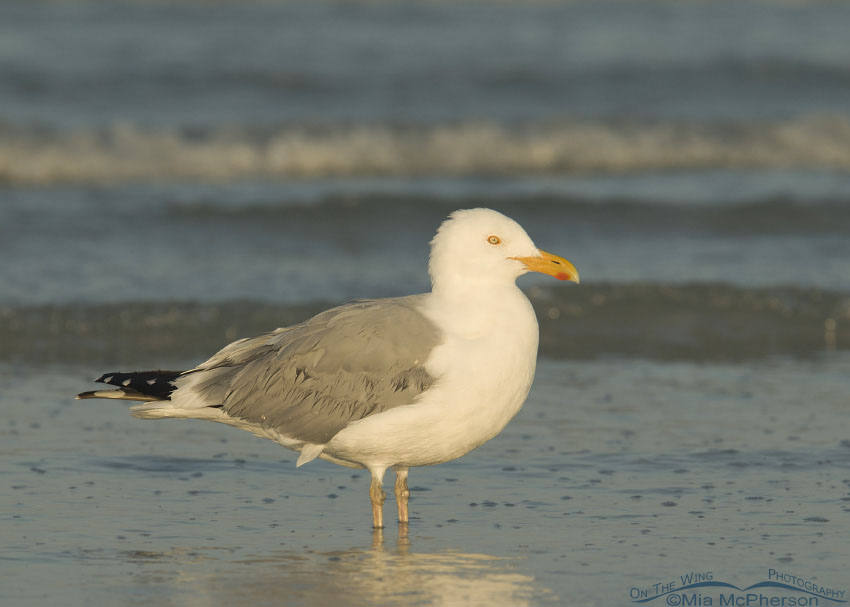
[562, 276]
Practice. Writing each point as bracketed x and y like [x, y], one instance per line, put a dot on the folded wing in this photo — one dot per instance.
[311, 380]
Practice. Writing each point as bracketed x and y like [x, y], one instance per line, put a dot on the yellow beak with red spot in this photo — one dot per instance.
[546, 263]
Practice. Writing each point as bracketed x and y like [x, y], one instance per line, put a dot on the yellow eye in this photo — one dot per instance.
[494, 239]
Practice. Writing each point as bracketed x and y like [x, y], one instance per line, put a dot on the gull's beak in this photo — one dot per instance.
[546, 263]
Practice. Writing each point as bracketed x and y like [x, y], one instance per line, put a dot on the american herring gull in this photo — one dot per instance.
[386, 383]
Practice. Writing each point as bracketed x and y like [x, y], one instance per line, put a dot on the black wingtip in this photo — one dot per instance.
[156, 384]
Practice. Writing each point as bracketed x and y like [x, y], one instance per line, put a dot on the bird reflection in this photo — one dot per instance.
[387, 573]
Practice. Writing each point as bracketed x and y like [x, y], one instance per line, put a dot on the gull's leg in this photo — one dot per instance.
[401, 493]
[377, 495]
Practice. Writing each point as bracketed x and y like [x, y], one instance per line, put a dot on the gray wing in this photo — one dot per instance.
[311, 380]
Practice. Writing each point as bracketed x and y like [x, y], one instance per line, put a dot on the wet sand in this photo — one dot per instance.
[616, 475]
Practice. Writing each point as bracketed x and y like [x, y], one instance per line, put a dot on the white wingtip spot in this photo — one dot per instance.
[151, 382]
[126, 382]
[106, 380]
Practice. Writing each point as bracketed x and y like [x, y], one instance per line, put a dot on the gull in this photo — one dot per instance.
[384, 383]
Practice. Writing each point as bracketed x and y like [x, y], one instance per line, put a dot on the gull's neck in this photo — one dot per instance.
[476, 307]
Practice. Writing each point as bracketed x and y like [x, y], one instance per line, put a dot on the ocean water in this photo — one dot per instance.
[176, 175]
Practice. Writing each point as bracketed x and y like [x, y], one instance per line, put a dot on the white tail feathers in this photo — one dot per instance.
[165, 409]
[120, 394]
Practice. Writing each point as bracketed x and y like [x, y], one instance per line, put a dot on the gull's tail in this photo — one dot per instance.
[138, 385]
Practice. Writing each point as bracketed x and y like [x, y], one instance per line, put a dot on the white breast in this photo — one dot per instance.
[484, 368]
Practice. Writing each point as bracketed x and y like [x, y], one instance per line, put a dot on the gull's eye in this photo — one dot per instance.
[494, 239]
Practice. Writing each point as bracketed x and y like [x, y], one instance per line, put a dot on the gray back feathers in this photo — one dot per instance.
[311, 380]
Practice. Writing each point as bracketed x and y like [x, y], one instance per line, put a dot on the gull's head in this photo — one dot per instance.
[477, 246]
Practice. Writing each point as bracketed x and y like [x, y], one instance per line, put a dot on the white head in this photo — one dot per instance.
[482, 246]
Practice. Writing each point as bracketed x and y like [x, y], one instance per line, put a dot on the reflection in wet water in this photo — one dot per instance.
[387, 573]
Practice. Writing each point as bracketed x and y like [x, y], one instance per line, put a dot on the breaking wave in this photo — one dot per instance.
[129, 153]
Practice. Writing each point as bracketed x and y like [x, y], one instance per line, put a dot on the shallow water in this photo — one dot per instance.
[175, 175]
[616, 475]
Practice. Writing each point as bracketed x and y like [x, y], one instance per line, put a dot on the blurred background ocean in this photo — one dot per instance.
[175, 175]
[302, 153]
